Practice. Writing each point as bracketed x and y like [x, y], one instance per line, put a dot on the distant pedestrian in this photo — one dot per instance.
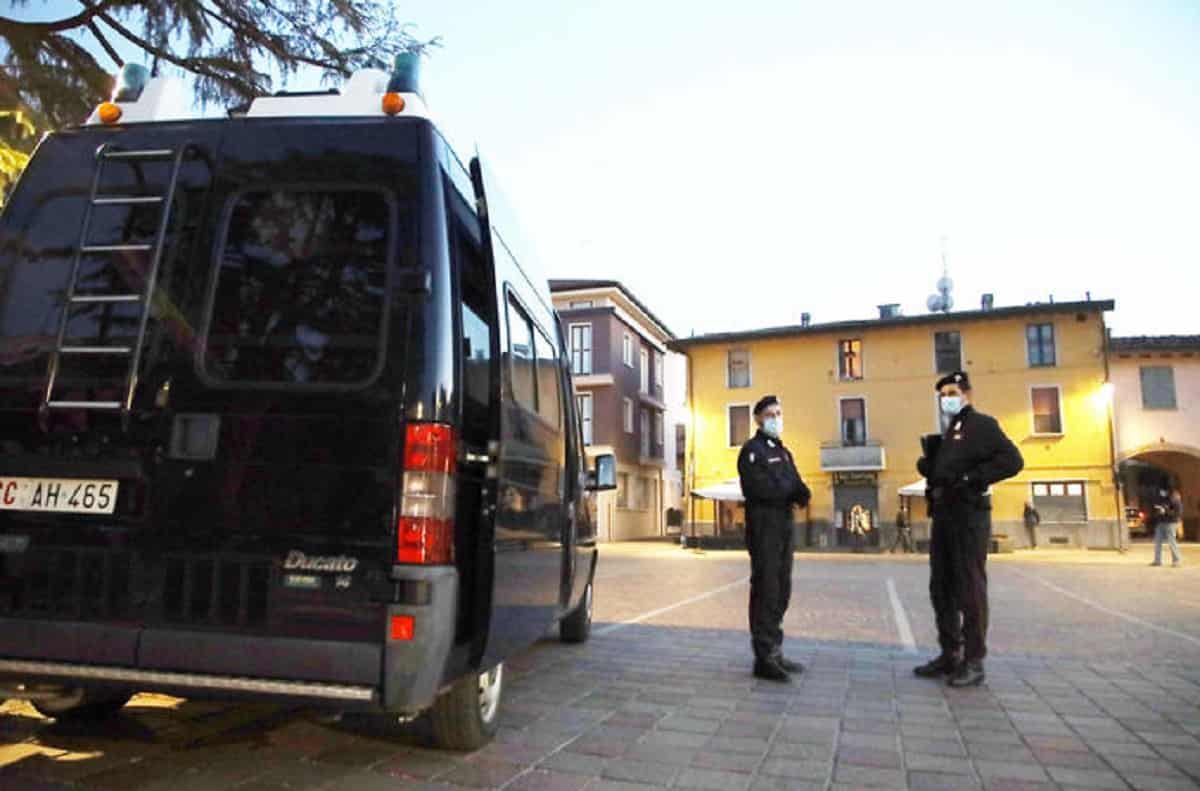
[771, 486]
[973, 454]
[903, 533]
[1032, 520]
[1166, 512]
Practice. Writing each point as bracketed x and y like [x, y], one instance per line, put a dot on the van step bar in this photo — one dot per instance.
[134, 352]
[162, 678]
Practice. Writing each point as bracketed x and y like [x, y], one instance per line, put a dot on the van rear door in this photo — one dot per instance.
[73, 579]
[253, 533]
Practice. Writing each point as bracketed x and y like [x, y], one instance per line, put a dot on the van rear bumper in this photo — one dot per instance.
[415, 670]
[402, 675]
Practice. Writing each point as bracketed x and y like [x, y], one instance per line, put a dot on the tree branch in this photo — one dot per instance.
[238, 27]
[108, 48]
[187, 64]
[90, 11]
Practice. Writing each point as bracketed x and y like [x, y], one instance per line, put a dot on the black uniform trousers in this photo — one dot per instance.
[770, 537]
[958, 549]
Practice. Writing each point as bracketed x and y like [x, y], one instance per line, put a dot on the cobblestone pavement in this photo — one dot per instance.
[662, 697]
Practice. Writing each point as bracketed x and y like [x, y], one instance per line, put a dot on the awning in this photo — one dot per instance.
[729, 490]
[917, 489]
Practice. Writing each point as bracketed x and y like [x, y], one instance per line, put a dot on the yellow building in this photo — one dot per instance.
[858, 395]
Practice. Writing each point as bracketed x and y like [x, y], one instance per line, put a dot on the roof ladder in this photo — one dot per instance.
[134, 352]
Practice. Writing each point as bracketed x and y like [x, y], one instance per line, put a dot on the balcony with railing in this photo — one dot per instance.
[842, 456]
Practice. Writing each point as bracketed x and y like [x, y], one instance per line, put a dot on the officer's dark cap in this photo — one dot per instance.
[764, 402]
[957, 378]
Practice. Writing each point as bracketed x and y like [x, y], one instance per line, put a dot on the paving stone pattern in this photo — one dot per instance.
[650, 707]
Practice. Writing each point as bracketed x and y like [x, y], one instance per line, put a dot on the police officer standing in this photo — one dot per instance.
[771, 486]
[973, 454]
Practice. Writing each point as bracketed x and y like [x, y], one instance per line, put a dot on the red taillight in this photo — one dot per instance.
[425, 530]
[424, 541]
[429, 447]
[403, 627]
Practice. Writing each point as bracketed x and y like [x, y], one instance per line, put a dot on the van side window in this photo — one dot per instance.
[547, 378]
[300, 287]
[477, 313]
[521, 357]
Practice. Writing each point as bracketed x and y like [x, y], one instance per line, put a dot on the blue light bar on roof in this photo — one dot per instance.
[131, 81]
[405, 73]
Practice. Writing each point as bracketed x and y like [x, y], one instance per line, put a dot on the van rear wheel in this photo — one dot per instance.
[83, 705]
[465, 717]
[577, 626]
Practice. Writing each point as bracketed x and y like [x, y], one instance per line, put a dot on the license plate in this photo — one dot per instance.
[58, 495]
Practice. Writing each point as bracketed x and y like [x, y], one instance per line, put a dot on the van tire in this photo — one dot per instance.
[465, 717]
[84, 705]
[576, 627]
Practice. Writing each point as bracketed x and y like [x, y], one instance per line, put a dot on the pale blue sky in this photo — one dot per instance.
[738, 164]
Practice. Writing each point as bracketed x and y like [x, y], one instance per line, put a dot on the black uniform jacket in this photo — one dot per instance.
[974, 454]
[769, 477]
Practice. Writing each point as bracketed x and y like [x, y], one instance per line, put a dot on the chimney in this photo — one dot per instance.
[889, 311]
[988, 301]
[805, 319]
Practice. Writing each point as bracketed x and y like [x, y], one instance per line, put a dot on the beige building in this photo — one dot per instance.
[631, 392]
[1156, 381]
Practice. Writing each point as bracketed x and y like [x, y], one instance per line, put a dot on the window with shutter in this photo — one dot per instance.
[739, 425]
[1158, 387]
[947, 350]
[738, 372]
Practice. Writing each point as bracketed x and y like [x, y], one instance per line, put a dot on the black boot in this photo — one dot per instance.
[969, 674]
[788, 665]
[770, 670]
[936, 668]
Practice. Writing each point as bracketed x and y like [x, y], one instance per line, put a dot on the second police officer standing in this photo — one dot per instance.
[771, 486]
[973, 454]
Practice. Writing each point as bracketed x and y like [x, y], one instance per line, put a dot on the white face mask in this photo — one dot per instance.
[952, 405]
[773, 426]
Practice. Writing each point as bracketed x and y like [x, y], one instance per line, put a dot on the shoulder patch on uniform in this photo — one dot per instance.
[770, 443]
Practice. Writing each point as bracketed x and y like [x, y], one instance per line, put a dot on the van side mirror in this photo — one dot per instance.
[603, 477]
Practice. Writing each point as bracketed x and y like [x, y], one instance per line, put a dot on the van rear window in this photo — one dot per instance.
[301, 287]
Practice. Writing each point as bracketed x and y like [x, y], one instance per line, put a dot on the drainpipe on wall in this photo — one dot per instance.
[1112, 438]
[689, 480]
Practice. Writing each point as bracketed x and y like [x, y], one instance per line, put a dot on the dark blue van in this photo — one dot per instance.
[283, 413]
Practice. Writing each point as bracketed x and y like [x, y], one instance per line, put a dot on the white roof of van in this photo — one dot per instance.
[166, 99]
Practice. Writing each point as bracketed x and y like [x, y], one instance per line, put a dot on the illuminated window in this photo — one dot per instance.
[1047, 410]
[850, 359]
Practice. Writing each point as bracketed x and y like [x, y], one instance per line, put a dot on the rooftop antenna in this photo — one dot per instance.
[942, 301]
